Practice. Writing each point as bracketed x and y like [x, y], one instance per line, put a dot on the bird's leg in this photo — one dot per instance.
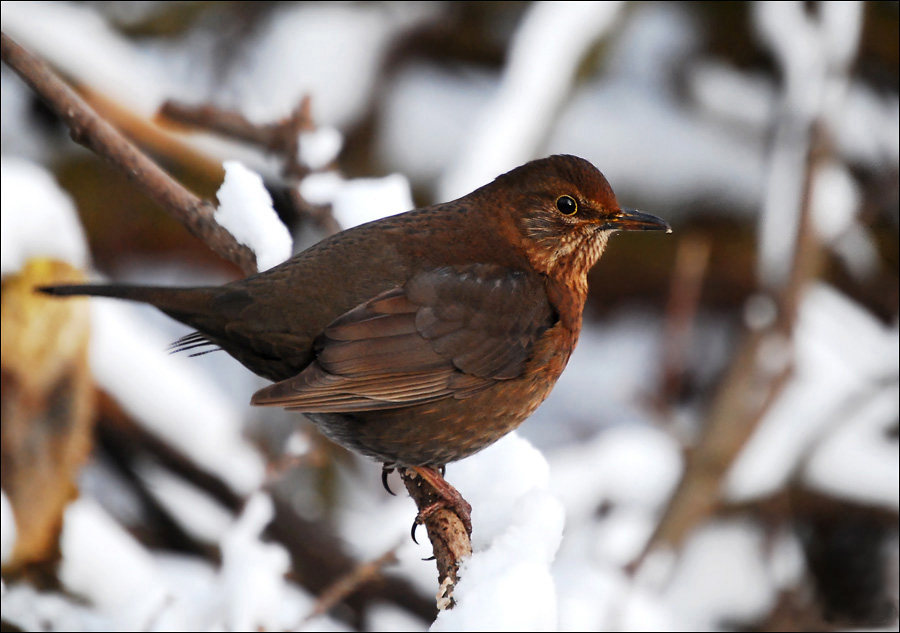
[450, 498]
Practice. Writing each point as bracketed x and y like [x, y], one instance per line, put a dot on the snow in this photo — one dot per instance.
[172, 398]
[612, 124]
[544, 56]
[330, 51]
[813, 53]
[630, 464]
[38, 218]
[760, 311]
[732, 94]
[245, 210]
[129, 588]
[390, 619]
[7, 528]
[518, 526]
[624, 120]
[855, 461]
[633, 469]
[200, 515]
[252, 571]
[137, 590]
[18, 136]
[498, 481]
[507, 583]
[318, 148]
[840, 352]
[621, 355]
[426, 115]
[732, 553]
[359, 200]
[867, 130]
[79, 42]
[836, 201]
[105, 565]
[115, 67]
[33, 610]
[613, 488]
[786, 559]
[783, 197]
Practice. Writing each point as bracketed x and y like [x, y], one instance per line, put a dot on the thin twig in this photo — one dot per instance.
[90, 130]
[347, 584]
[280, 138]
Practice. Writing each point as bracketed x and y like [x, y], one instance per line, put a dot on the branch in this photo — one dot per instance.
[343, 587]
[448, 535]
[87, 128]
[749, 389]
[280, 138]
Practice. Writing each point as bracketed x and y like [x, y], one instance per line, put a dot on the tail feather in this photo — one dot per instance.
[218, 315]
[179, 300]
[195, 340]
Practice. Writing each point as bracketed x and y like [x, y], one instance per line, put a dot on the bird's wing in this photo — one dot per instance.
[448, 332]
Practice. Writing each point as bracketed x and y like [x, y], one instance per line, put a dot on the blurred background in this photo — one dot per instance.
[724, 441]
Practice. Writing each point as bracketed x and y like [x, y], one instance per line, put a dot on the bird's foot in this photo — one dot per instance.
[449, 498]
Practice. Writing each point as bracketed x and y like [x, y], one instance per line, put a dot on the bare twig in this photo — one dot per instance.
[347, 584]
[749, 389]
[280, 138]
[447, 532]
[89, 129]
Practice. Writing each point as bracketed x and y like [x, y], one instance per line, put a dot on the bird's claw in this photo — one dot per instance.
[386, 470]
[418, 521]
[457, 504]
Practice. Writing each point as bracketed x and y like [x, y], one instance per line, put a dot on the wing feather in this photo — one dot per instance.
[449, 332]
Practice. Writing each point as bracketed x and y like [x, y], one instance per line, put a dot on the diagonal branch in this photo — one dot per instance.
[344, 586]
[90, 130]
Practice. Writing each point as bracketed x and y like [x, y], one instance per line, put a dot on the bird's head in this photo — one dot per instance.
[564, 211]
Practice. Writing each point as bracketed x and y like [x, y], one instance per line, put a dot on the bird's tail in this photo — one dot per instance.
[181, 301]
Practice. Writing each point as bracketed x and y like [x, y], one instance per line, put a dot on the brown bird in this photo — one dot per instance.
[421, 338]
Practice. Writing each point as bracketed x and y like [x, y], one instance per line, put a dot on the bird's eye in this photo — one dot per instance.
[567, 205]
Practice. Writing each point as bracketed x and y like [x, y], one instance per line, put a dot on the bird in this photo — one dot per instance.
[421, 338]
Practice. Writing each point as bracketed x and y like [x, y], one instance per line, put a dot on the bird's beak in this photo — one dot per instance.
[631, 220]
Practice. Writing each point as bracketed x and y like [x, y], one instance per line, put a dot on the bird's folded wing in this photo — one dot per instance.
[448, 332]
